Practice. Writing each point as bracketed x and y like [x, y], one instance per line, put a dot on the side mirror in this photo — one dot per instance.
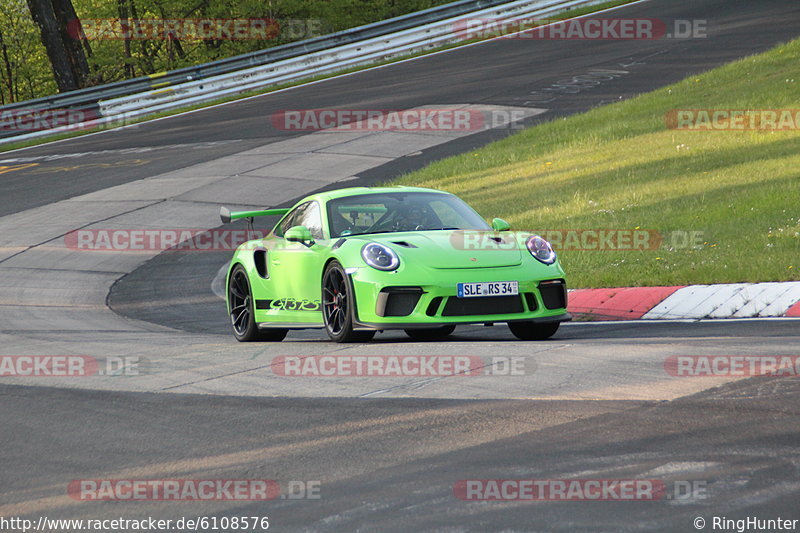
[299, 234]
[498, 224]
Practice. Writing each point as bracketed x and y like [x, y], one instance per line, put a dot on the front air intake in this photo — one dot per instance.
[554, 293]
[397, 301]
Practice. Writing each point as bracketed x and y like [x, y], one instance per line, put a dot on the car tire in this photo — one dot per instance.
[533, 331]
[240, 311]
[338, 306]
[430, 334]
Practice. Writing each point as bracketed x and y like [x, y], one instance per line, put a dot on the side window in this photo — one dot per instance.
[307, 215]
[288, 221]
[310, 218]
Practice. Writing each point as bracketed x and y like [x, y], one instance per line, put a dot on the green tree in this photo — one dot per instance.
[25, 71]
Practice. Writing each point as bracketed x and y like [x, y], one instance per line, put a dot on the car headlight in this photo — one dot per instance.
[379, 256]
[541, 250]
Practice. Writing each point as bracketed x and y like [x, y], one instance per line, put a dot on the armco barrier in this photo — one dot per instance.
[125, 87]
[132, 99]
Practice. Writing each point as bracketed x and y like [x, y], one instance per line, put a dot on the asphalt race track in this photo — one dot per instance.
[388, 454]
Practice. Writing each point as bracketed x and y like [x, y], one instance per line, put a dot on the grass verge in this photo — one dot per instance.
[735, 193]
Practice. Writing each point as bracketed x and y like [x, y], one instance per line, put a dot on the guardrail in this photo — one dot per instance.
[128, 100]
[222, 66]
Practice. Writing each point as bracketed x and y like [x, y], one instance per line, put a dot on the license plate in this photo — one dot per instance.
[488, 288]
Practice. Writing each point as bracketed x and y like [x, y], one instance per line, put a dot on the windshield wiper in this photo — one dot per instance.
[367, 233]
[398, 231]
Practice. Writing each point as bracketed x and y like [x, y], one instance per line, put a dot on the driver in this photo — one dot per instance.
[412, 217]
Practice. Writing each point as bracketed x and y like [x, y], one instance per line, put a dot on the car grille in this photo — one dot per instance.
[491, 305]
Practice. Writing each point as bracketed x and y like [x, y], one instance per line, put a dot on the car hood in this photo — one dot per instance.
[453, 248]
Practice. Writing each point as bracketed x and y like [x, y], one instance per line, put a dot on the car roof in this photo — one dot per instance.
[357, 191]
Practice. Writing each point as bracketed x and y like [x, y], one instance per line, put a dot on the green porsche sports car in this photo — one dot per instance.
[360, 260]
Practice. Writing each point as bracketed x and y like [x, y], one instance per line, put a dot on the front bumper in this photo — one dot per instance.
[392, 300]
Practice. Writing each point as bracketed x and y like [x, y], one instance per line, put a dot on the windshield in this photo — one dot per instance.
[400, 211]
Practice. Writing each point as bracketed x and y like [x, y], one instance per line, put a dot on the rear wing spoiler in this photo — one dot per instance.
[226, 215]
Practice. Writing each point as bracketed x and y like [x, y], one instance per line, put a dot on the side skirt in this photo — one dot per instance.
[290, 325]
